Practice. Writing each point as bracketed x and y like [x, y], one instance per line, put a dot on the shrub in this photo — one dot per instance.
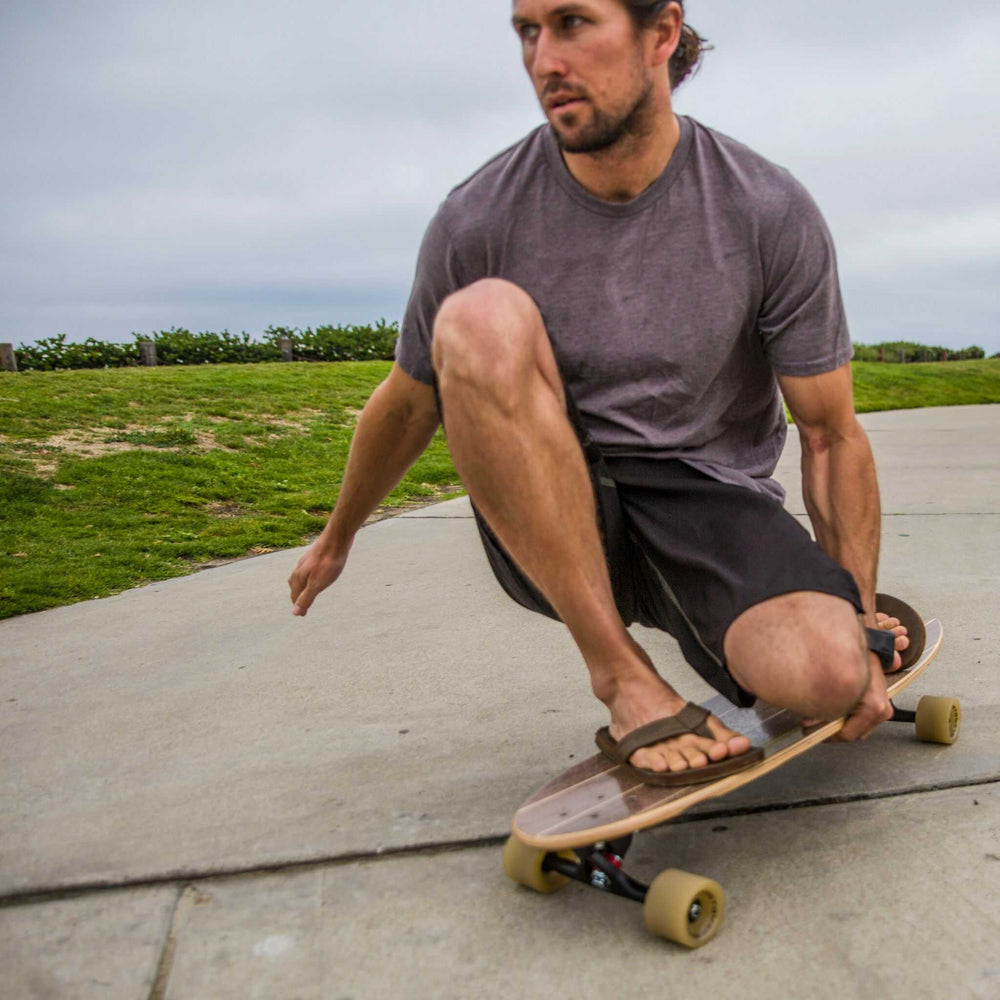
[178, 346]
[339, 343]
[906, 351]
[53, 353]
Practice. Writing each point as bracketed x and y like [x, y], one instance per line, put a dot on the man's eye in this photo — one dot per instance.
[572, 21]
[528, 32]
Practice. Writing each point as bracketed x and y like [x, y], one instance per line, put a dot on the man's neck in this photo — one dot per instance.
[624, 171]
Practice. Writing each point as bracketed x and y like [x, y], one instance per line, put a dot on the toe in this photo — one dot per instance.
[695, 758]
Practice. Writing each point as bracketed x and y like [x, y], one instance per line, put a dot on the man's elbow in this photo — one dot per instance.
[823, 438]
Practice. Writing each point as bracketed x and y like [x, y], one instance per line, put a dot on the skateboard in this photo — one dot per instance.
[580, 825]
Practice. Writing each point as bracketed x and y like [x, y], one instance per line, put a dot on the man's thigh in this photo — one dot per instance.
[707, 551]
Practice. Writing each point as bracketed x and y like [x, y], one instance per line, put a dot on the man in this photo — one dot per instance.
[603, 314]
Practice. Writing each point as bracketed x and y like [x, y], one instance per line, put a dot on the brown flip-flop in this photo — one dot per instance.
[690, 719]
[895, 608]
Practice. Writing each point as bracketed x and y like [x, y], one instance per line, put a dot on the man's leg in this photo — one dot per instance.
[753, 601]
[807, 651]
[518, 455]
[804, 651]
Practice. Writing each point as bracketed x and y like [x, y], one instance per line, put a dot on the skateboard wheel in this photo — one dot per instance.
[523, 864]
[938, 719]
[684, 908]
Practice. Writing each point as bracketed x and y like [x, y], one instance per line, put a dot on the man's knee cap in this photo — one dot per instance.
[842, 672]
[491, 321]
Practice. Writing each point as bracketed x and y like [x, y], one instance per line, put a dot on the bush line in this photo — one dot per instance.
[178, 346]
[907, 352]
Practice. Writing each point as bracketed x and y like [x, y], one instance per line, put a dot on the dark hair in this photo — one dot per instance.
[687, 58]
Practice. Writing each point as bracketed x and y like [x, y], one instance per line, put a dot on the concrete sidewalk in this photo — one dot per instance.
[205, 797]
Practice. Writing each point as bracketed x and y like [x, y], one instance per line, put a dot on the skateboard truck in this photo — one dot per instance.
[676, 905]
[902, 714]
[600, 867]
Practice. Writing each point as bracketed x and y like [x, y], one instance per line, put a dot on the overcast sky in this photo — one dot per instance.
[218, 164]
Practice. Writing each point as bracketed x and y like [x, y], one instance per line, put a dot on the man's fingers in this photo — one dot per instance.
[864, 721]
[303, 601]
[296, 584]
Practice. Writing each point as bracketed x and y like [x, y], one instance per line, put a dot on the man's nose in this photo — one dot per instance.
[549, 60]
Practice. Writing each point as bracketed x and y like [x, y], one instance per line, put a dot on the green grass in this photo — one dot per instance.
[904, 387]
[110, 479]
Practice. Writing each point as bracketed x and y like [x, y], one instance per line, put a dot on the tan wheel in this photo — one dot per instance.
[523, 864]
[938, 719]
[684, 908]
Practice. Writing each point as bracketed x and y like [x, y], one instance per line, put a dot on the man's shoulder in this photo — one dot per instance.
[736, 155]
[755, 181]
[496, 183]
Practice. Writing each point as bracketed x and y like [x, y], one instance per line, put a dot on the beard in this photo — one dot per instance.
[608, 129]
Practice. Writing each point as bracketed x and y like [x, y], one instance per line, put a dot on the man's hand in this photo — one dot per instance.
[394, 428]
[874, 708]
[313, 573]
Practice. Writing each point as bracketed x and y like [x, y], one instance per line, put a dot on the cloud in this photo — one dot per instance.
[217, 163]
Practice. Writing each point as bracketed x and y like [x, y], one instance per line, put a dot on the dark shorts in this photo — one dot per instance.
[687, 555]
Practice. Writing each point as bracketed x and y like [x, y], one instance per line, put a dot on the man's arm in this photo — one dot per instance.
[393, 431]
[839, 484]
[840, 489]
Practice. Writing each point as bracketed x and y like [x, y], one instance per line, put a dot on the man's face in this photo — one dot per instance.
[588, 65]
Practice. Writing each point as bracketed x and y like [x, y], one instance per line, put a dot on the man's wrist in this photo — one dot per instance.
[335, 538]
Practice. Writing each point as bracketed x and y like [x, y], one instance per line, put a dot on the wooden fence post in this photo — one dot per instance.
[8, 359]
[147, 353]
[902, 356]
[881, 354]
[285, 344]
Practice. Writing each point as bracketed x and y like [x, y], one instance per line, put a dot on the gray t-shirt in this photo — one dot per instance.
[669, 315]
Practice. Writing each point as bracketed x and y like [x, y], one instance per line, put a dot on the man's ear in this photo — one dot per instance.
[667, 33]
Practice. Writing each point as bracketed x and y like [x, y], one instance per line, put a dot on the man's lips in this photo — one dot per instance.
[562, 101]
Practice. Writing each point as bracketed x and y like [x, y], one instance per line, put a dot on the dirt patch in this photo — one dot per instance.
[224, 511]
[271, 421]
[97, 442]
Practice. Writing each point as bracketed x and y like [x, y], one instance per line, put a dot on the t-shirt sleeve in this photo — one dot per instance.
[802, 322]
[437, 276]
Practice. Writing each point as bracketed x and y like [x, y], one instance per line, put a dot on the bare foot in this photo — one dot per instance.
[643, 697]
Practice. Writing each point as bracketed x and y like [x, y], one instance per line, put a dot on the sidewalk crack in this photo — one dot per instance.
[189, 896]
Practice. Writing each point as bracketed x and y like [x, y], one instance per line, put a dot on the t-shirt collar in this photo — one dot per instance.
[656, 190]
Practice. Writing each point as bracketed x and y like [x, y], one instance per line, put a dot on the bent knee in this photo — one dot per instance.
[839, 672]
[487, 333]
[805, 651]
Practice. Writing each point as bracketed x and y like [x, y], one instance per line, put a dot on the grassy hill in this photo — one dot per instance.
[112, 478]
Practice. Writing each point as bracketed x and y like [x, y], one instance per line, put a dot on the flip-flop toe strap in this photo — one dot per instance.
[690, 719]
